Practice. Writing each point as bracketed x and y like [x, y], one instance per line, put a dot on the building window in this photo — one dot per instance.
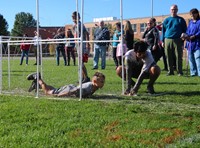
[134, 27]
[142, 27]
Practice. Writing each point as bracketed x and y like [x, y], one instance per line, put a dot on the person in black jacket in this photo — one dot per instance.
[60, 47]
[151, 38]
[129, 35]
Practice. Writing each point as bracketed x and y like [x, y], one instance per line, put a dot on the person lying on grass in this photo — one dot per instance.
[88, 88]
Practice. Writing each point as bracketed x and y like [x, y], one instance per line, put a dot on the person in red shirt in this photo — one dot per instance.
[25, 50]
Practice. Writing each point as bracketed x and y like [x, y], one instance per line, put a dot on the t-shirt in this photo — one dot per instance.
[77, 33]
[75, 90]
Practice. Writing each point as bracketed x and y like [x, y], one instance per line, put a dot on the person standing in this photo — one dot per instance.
[25, 50]
[121, 50]
[86, 46]
[116, 36]
[36, 37]
[69, 47]
[193, 42]
[60, 47]
[151, 38]
[129, 35]
[172, 29]
[164, 57]
[101, 33]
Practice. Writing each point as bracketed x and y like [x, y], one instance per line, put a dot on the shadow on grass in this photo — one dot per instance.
[16, 72]
[108, 97]
[20, 70]
[143, 96]
[179, 83]
[189, 94]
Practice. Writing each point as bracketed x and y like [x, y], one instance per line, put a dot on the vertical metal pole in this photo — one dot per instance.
[122, 48]
[81, 50]
[38, 48]
[9, 64]
[78, 45]
[151, 8]
[1, 59]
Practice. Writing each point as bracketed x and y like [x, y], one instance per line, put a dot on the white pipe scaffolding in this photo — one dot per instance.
[11, 40]
[53, 41]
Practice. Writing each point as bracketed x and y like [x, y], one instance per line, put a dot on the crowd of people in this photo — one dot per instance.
[142, 56]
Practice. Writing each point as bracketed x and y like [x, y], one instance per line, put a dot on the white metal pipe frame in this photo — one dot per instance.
[11, 40]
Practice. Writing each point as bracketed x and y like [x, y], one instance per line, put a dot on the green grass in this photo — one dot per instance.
[107, 119]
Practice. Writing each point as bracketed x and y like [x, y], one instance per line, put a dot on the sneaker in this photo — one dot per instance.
[33, 76]
[180, 74]
[169, 74]
[94, 68]
[33, 86]
[133, 93]
[127, 91]
[165, 69]
[86, 80]
[150, 90]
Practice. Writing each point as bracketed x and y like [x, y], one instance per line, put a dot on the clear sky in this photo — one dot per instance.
[58, 12]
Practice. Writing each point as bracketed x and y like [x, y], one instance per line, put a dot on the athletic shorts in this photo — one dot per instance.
[65, 89]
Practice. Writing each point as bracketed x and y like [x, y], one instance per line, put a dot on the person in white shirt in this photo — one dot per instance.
[35, 47]
[140, 65]
[149, 69]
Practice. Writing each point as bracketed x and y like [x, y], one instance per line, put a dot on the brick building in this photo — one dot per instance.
[138, 25]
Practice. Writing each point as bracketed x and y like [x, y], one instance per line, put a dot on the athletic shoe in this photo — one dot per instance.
[33, 86]
[127, 91]
[94, 68]
[33, 76]
[170, 74]
[150, 90]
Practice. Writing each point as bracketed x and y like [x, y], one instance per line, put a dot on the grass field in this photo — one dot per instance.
[107, 119]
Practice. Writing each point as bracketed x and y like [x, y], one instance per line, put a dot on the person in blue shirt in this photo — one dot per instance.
[192, 37]
[173, 27]
[116, 36]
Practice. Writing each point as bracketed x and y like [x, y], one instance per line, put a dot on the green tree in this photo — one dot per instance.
[3, 26]
[22, 20]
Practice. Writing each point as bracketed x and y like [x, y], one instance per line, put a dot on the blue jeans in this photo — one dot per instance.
[62, 50]
[24, 53]
[194, 61]
[99, 51]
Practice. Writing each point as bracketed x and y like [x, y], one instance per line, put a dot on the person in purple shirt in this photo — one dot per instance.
[192, 37]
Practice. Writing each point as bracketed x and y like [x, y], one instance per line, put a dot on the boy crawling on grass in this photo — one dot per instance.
[88, 88]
